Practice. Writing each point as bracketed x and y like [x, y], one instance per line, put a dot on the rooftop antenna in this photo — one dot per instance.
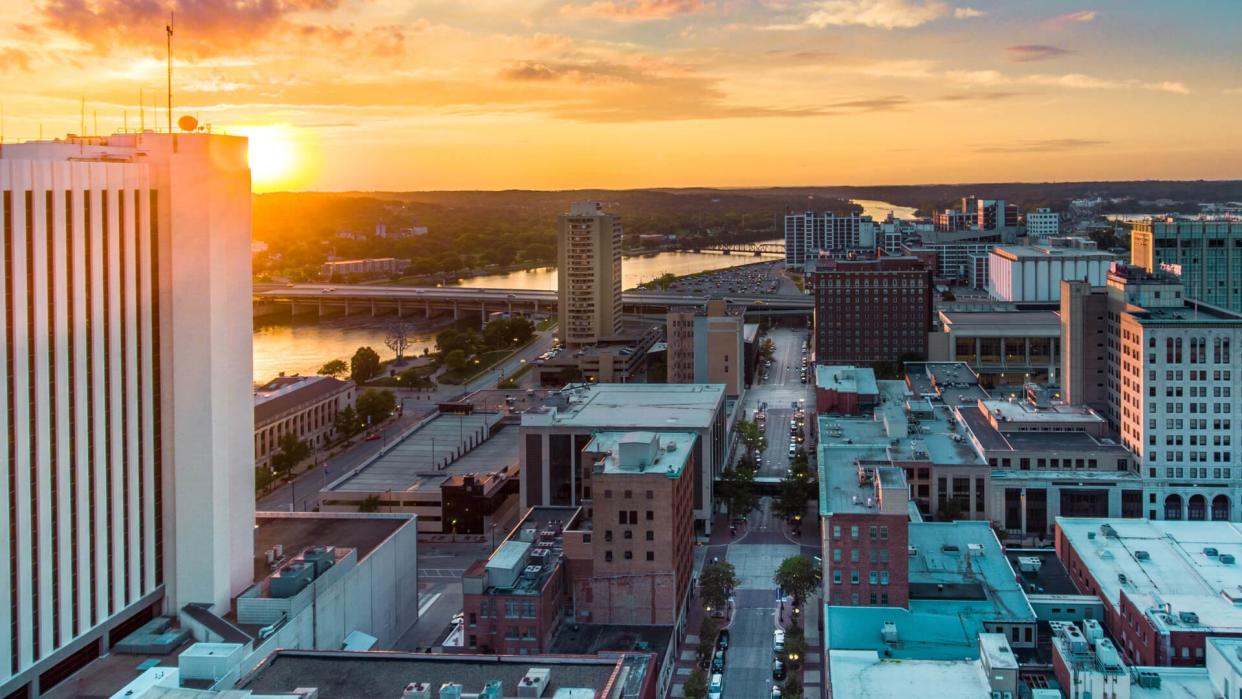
[168, 29]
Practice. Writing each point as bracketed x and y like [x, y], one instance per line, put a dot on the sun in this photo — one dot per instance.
[277, 157]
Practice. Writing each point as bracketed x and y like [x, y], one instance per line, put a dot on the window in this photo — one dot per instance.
[836, 555]
[608, 556]
[883, 577]
[872, 577]
[836, 532]
[650, 496]
[854, 532]
[629, 494]
[607, 535]
[836, 577]
[629, 555]
[651, 555]
[872, 531]
[853, 555]
[627, 534]
[854, 577]
[650, 515]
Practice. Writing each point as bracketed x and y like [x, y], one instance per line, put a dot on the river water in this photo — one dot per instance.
[304, 346]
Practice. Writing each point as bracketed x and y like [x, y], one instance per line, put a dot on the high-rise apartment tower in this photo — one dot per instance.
[588, 274]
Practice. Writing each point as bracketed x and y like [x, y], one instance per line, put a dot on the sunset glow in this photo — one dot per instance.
[626, 93]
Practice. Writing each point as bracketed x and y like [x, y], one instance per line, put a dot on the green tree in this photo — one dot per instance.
[335, 368]
[290, 451]
[795, 647]
[456, 360]
[709, 628]
[696, 684]
[364, 366]
[791, 498]
[737, 489]
[346, 422]
[369, 504]
[375, 405]
[792, 689]
[799, 576]
[717, 582]
[750, 436]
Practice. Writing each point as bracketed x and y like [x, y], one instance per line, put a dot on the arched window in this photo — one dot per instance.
[1220, 508]
[1173, 507]
[1196, 508]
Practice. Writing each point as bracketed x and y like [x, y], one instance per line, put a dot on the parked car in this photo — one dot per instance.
[718, 661]
[722, 640]
[778, 641]
[715, 689]
[374, 436]
[778, 671]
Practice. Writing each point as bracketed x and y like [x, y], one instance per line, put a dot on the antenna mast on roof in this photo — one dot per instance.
[168, 29]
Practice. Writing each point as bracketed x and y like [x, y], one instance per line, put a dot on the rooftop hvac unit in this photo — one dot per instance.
[1141, 555]
[279, 549]
[534, 682]
[1092, 630]
[291, 579]
[531, 570]
[492, 690]
[322, 557]
[539, 553]
[1210, 552]
[1148, 679]
[1106, 653]
[417, 690]
[888, 632]
[450, 690]
[1226, 558]
[1108, 531]
[1188, 617]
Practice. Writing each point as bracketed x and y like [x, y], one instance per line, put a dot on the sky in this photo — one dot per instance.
[562, 94]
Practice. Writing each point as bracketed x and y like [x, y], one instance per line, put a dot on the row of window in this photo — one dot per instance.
[873, 532]
[627, 555]
[874, 577]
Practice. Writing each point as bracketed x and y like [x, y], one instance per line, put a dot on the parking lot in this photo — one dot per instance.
[761, 278]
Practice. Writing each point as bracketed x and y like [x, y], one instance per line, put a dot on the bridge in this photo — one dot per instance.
[424, 302]
[756, 249]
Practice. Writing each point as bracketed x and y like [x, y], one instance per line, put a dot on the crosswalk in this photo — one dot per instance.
[450, 573]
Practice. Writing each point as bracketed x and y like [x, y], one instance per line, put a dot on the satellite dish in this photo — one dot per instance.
[187, 123]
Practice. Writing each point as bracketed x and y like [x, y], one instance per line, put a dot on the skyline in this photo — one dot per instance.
[343, 95]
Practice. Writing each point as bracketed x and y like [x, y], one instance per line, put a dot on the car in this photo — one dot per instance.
[374, 436]
[778, 671]
[329, 290]
[715, 688]
[778, 641]
[722, 640]
[776, 692]
[718, 661]
[792, 448]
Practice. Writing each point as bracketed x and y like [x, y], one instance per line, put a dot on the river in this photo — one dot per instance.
[304, 346]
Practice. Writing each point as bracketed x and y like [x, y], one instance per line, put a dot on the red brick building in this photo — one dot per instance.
[865, 533]
[1166, 586]
[871, 309]
[845, 390]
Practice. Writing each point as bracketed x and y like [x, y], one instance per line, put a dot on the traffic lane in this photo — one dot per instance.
[748, 665]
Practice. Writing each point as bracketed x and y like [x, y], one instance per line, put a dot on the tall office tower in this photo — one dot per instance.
[871, 310]
[589, 274]
[809, 233]
[1208, 254]
[992, 214]
[127, 371]
[1043, 224]
[1172, 369]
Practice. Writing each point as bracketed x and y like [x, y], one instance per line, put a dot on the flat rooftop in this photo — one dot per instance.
[611, 638]
[1078, 416]
[1019, 323]
[1176, 683]
[961, 560]
[846, 379]
[951, 382]
[1046, 252]
[285, 393]
[411, 463]
[347, 675]
[862, 673]
[1164, 562]
[643, 453]
[299, 531]
[621, 406]
[1190, 313]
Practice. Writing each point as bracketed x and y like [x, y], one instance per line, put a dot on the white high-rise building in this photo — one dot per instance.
[127, 371]
[589, 274]
[808, 233]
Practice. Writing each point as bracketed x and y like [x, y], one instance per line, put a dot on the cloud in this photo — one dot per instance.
[878, 14]
[979, 96]
[1173, 86]
[636, 10]
[877, 104]
[1051, 145]
[1233, 91]
[967, 13]
[204, 27]
[12, 59]
[1076, 81]
[529, 71]
[1026, 53]
[1079, 17]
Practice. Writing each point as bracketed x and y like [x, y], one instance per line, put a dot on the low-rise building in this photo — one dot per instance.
[1166, 586]
[612, 359]
[1002, 347]
[1033, 273]
[707, 348]
[553, 436]
[1042, 224]
[864, 520]
[866, 673]
[374, 266]
[845, 390]
[304, 406]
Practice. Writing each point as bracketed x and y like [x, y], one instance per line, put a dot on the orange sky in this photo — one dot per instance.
[489, 94]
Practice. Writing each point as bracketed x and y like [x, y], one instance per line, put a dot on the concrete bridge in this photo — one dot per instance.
[424, 302]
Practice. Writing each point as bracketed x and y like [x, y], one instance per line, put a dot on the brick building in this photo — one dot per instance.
[864, 526]
[845, 390]
[1166, 586]
[871, 309]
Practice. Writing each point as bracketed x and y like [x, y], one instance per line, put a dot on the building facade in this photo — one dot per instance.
[1169, 376]
[1207, 253]
[1033, 273]
[588, 274]
[707, 348]
[376, 266]
[871, 310]
[304, 406]
[808, 233]
[1042, 224]
[127, 313]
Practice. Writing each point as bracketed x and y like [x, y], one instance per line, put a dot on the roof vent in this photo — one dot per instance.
[1210, 552]
[1226, 558]
[417, 690]
[1188, 617]
[888, 632]
[1141, 555]
[534, 682]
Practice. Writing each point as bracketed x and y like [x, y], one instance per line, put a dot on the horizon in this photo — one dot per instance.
[339, 95]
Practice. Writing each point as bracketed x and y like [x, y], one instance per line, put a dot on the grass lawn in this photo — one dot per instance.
[487, 360]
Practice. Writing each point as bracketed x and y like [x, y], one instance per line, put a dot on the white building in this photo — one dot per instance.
[588, 274]
[127, 366]
[1025, 273]
[304, 406]
[1042, 224]
[808, 233]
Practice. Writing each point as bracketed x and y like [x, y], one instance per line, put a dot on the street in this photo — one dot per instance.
[782, 389]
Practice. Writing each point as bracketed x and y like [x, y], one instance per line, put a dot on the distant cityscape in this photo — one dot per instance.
[971, 454]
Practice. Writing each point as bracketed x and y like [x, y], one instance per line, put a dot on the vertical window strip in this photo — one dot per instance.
[49, 236]
[105, 248]
[71, 231]
[141, 417]
[34, 443]
[88, 251]
[157, 464]
[122, 258]
[10, 273]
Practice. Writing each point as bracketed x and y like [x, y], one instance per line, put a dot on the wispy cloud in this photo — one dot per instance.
[1026, 53]
[979, 96]
[1078, 17]
[880, 14]
[13, 59]
[635, 10]
[1050, 145]
[967, 13]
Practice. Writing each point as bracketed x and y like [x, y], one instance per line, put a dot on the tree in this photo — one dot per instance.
[451, 339]
[364, 366]
[749, 434]
[717, 582]
[737, 489]
[374, 405]
[456, 360]
[798, 576]
[792, 689]
[398, 338]
[369, 504]
[791, 499]
[335, 368]
[347, 424]
[290, 451]
[708, 630]
[696, 685]
[795, 647]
